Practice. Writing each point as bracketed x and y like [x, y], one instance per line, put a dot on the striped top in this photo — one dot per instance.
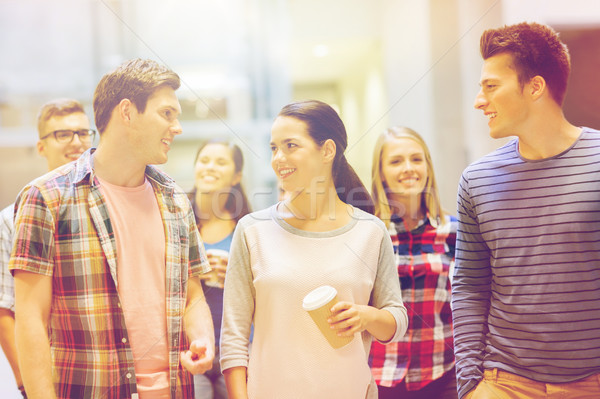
[526, 288]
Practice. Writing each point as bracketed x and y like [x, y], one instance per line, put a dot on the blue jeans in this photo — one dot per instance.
[442, 388]
[210, 385]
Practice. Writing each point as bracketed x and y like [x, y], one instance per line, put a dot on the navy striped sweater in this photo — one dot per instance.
[526, 288]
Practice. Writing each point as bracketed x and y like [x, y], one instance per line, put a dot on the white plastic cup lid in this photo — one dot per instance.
[318, 297]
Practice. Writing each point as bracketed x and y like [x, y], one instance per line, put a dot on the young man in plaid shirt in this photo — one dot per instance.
[107, 257]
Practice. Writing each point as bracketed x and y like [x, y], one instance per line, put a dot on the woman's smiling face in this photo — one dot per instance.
[215, 169]
[403, 167]
[296, 159]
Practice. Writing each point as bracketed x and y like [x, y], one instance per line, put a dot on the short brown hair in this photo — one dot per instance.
[57, 107]
[536, 50]
[135, 80]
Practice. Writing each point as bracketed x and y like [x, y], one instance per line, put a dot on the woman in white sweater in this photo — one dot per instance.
[318, 235]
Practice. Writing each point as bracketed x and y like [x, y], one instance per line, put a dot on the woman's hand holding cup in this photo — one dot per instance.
[218, 262]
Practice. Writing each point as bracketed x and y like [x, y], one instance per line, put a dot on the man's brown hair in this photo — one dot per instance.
[536, 50]
[57, 107]
[135, 80]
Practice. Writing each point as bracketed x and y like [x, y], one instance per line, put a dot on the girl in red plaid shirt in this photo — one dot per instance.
[405, 193]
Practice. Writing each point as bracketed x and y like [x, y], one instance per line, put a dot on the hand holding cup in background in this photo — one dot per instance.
[218, 259]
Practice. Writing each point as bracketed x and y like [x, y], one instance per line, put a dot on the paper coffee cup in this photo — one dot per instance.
[215, 257]
[318, 304]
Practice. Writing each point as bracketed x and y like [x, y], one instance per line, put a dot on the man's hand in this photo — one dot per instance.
[199, 358]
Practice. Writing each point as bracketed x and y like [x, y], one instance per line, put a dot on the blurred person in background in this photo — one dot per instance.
[219, 202]
[317, 235]
[64, 134]
[404, 189]
[107, 258]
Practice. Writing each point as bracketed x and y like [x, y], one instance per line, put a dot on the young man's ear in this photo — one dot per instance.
[537, 87]
[40, 147]
[329, 150]
[125, 109]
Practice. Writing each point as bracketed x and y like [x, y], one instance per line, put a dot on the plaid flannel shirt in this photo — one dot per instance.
[7, 284]
[425, 257]
[63, 230]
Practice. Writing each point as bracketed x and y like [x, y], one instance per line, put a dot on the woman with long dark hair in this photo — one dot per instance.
[218, 201]
[317, 235]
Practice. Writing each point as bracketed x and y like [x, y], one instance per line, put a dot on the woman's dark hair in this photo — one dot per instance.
[323, 124]
[237, 203]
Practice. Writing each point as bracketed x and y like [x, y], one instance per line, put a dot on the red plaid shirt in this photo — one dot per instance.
[425, 257]
[63, 230]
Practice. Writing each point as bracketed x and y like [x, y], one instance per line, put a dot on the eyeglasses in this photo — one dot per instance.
[66, 135]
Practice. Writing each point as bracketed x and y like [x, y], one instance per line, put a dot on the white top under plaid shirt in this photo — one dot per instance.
[7, 284]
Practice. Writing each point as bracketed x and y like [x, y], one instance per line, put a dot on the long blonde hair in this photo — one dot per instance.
[430, 199]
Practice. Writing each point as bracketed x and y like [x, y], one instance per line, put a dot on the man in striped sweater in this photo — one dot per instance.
[526, 288]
